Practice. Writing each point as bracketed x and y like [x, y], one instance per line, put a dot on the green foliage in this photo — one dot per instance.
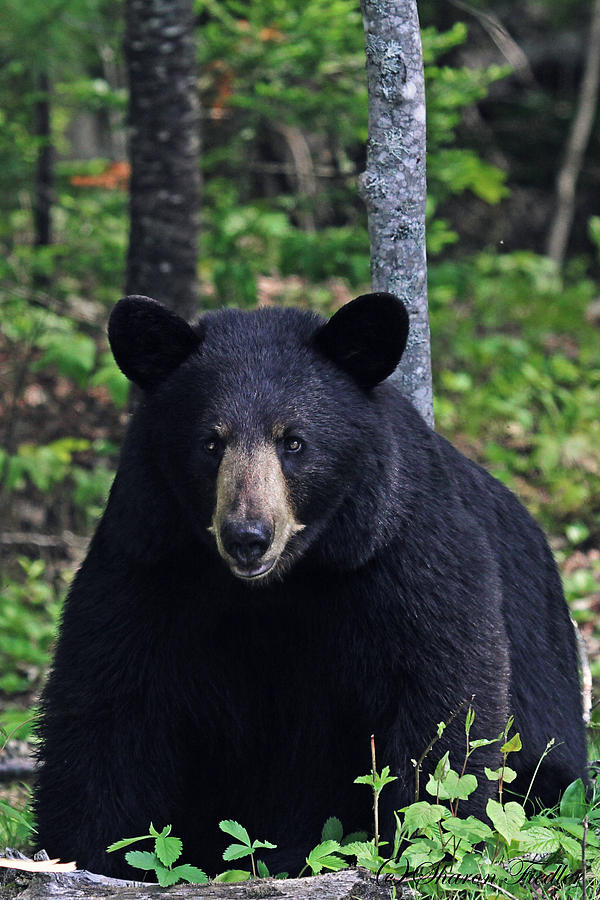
[244, 847]
[435, 852]
[265, 68]
[167, 850]
[16, 825]
[29, 615]
[516, 374]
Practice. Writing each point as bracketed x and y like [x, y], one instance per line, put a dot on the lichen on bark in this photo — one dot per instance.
[393, 185]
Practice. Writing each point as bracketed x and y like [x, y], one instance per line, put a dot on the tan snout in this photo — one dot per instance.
[253, 518]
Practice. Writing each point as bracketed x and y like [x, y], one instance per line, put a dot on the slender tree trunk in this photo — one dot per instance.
[579, 135]
[393, 185]
[164, 144]
[44, 174]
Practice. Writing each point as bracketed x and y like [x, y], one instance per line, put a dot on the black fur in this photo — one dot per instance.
[182, 695]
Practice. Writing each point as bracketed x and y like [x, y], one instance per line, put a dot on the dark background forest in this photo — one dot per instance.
[515, 320]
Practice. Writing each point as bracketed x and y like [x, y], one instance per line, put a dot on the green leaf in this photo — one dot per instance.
[142, 859]
[469, 829]
[126, 842]
[73, 354]
[236, 851]
[421, 853]
[443, 767]
[266, 845]
[332, 830]
[505, 772]
[365, 779]
[165, 877]
[470, 864]
[482, 742]
[469, 719]
[419, 816]
[538, 839]
[512, 745]
[15, 815]
[232, 875]
[235, 830]
[570, 845]
[321, 857]
[507, 820]
[191, 874]
[353, 837]
[168, 849]
[452, 787]
[573, 804]
[262, 869]
[358, 848]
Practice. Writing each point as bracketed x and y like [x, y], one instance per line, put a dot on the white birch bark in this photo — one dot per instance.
[393, 185]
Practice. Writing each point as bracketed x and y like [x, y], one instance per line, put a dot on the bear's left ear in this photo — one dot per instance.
[366, 337]
[149, 341]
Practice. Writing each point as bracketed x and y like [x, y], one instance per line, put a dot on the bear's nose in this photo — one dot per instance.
[246, 541]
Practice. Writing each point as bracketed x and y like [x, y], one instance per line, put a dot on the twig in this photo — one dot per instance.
[419, 763]
[504, 41]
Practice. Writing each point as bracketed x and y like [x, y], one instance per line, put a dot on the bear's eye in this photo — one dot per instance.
[292, 445]
[212, 445]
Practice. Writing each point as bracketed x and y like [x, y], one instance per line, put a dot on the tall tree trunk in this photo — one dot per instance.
[44, 174]
[164, 144]
[579, 135]
[393, 185]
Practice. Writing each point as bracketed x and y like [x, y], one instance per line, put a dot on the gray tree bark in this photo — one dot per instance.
[164, 145]
[393, 185]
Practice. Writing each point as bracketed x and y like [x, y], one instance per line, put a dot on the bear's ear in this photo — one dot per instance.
[366, 337]
[149, 341]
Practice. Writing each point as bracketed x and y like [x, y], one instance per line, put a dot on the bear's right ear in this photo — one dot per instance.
[149, 341]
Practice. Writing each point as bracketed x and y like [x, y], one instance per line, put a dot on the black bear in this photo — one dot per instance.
[290, 561]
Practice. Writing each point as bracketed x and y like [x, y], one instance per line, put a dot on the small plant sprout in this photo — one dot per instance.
[551, 745]
[504, 774]
[377, 783]
[418, 763]
[245, 847]
[167, 850]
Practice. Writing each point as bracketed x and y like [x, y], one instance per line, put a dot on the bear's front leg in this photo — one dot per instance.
[103, 777]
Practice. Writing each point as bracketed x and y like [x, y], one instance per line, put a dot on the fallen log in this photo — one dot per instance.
[357, 884]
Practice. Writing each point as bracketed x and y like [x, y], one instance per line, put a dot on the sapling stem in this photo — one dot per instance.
[419, 763]
[548, 749]
[375, 793]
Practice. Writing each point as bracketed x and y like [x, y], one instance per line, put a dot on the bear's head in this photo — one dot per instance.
[260, 425]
